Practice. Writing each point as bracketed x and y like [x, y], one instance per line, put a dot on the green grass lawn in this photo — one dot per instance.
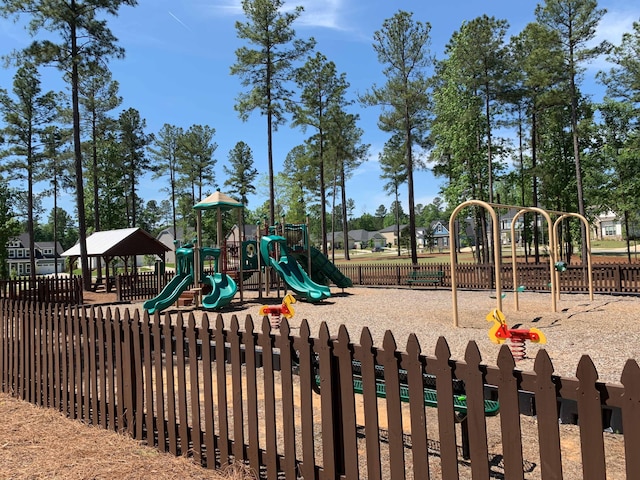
[608, 244]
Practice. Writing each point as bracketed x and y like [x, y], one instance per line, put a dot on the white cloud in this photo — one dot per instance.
[613, 25]
[317, 13]
[224, 8]
[323, 13]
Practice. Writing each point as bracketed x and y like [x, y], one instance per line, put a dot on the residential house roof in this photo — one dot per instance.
[40, 246]
[393, 228]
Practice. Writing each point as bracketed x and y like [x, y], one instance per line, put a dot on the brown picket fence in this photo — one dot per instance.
[607, 278]
[66, 290]
[288, 405]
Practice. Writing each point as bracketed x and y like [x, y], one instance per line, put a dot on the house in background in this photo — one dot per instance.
[390, 234]
[607, 226]
[336, 240]
[438, 238]
[166, 237]
[250, 233]
[357, 239]
[47, 255]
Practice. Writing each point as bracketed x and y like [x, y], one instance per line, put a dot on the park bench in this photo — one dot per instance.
[491, 407]
[425, 277]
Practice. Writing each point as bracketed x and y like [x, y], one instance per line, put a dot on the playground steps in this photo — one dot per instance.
[187, 298]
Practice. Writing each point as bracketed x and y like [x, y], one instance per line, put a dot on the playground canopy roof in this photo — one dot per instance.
[218, 200]
[120, 243]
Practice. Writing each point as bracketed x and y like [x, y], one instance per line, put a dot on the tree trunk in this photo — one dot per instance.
[626, 229]
[77, 148]
[345, 220]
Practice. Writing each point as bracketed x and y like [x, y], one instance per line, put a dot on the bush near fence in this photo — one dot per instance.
[226, 394]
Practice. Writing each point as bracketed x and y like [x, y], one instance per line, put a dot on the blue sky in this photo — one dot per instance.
[178, 55]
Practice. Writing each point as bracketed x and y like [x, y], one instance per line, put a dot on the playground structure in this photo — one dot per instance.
[284, 249]
[217, 290]
[554, 271]
[320, 269]
[500, 333]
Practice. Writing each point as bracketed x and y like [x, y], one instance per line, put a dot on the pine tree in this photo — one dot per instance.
[26, 120]
[84, 35]
[268, 67]
[402, 45]
[241, 173]
[166, 163]
[575, 22]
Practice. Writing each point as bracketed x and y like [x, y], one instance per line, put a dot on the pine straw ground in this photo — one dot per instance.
[40, 443]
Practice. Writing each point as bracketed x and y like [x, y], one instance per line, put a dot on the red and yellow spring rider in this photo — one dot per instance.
[500, 333]
[276, 311]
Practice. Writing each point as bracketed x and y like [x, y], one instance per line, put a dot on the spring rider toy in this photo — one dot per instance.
[499, 333]
[276, 311]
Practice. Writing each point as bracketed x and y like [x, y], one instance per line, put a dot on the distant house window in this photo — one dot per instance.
[20, 253]
[609, 230]
[445, 242]
[47, 251]
[439, 229]
[12, 253]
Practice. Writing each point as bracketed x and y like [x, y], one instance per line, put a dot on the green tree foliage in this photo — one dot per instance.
[266, 67]
[113, 188]
[379, 215]
[26, 120]
[394, 171]
[402, 45]
[469, 105]
[322, 95]
[59, 165]
[617, 182]
[241, 173]
[301, 189]
[367, 222]
[621, 145]
[60, 227]
[98, 96]
[165, 156]
[483, 57]
[151, 217]
[133, 142]
[623, 80]
[197, 163]
[82, 34]
[538, 80]
[433, 212]
[575, 22]
[348, 153]
[9, 226]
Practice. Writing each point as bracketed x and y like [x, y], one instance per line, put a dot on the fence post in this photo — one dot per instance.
[118, 288]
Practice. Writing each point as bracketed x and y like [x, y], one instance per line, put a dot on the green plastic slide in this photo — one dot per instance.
[290, 271]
